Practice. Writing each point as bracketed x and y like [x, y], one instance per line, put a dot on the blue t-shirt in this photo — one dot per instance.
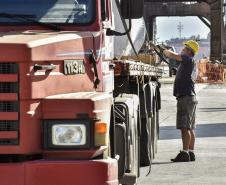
[183, 84]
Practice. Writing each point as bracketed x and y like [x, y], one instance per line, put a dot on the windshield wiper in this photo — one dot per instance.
[29, 19]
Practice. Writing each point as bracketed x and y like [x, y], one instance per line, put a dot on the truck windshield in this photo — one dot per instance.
[49, 11]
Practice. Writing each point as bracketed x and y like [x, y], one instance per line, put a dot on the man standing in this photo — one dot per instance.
[184, 91]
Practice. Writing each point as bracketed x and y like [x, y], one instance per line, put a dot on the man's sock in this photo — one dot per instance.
[191, 151]
[185, 151]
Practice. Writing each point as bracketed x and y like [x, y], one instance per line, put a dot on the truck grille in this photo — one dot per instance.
[8, 87]
[9, 105]
[9, 142]
[8, 125]
[8, 68]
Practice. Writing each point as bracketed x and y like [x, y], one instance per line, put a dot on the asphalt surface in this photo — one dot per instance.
[210, 166]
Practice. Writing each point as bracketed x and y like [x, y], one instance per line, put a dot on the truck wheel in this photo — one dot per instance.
[153, 135]
[155, 132]
[157, 129]
[146, 143]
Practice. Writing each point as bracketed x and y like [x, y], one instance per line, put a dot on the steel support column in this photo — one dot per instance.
[216, 18]
[151, 27]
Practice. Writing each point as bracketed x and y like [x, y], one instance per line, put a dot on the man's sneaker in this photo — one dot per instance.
[182, 157]
[192, 156]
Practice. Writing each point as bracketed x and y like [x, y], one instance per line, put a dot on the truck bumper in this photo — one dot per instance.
[43, 172]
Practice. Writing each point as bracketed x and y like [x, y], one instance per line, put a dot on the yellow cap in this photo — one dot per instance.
[193, 45]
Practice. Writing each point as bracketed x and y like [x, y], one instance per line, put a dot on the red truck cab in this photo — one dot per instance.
[55, 93]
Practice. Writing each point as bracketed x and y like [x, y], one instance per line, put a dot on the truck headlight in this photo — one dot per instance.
[69, 135]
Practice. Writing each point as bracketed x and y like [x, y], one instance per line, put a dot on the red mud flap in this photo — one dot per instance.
[98, 172]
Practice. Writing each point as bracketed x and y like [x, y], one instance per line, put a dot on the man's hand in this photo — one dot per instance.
[167, 53]
[172, 55]
[160, 48]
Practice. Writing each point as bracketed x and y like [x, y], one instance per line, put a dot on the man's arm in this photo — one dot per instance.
[172, 55]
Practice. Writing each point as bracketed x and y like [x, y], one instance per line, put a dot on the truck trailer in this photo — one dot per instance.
[71, 111]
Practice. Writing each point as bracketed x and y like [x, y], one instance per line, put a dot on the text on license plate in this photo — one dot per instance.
[73, 67]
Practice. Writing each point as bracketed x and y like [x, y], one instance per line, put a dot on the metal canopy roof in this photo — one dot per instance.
[179, 1]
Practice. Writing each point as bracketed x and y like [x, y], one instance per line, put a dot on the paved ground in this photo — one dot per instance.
[210, 167]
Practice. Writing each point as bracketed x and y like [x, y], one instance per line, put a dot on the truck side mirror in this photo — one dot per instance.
[132, 9]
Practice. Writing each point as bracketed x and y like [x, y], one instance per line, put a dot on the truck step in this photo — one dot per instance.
[128, 178]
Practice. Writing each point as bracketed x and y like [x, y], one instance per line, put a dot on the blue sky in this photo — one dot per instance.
[167, 27]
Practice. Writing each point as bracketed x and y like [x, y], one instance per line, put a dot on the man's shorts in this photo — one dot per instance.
[186, 108]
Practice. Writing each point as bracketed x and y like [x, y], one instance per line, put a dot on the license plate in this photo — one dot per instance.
[72, 67]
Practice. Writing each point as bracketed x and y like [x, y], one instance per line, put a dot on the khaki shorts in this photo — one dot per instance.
[186, 112]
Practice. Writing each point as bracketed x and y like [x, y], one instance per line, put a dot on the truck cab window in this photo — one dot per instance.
[50, 11]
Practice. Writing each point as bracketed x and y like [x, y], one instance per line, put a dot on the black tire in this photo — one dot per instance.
[158, 126]
[155, 133]
[145, 143]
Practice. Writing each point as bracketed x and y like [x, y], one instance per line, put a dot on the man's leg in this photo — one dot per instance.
[192, 145]
[184, 126]
[186, 138]
[192, 142]
[184, 156]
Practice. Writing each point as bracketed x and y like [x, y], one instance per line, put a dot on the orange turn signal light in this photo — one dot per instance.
[101, 128]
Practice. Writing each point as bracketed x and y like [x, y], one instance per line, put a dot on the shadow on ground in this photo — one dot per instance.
[212, 109]
[204, 130]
